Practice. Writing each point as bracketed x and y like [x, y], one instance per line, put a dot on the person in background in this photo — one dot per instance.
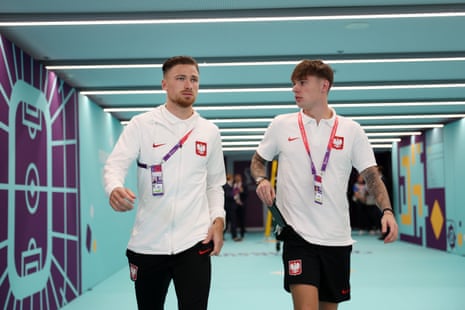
[359, 198]
[373, 214]
[368, 212]
[230, 207]
[388, 185]
[316, 150]
[240, 197]
[180, 211]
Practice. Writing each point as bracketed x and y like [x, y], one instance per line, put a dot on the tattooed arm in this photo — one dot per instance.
[264, 189]
[377, 188]
[258, 166]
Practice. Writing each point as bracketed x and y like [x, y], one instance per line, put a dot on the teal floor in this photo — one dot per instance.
[248, 275]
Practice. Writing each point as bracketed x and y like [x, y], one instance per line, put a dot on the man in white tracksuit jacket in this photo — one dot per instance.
[180, 214]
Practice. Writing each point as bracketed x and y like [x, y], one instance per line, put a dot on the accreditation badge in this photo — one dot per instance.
[318, 189]
[157, 180]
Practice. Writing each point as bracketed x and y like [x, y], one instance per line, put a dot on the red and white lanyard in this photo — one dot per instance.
[176, 147]
[318, 178]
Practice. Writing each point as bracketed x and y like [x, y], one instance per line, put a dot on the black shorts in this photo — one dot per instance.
[326, 267]
[190, 271]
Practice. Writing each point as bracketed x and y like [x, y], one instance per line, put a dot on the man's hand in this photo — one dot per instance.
[215, 233]
[122, 199]
[389, 227]
[266, 192]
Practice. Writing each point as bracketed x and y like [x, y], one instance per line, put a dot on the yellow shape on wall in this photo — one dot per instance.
[412, 190]
[406, 218]
[437, 219]
[418, 191]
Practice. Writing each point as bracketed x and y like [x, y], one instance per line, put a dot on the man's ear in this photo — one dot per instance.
[325, 86]
[163, 84]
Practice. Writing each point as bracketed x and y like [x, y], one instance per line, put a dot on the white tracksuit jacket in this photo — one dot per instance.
[192, 178]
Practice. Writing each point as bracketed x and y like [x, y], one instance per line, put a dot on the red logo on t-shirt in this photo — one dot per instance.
[201, 148]
[295, 267]
[338, 143]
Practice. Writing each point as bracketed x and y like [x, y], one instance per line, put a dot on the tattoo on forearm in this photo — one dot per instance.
[258, 166]
[376, 187]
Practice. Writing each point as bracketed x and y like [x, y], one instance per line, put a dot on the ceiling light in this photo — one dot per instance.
[393, 134]
[335, 88]
[409, 116]
[135, 109]
[246, 90]
[256, 139]
[241, 120]
[253, 149]
[381, 146]
[400, 86]
[102, 66]
[247, 107]
[254, 63]
[210, 108]
[121, 92]
[226, 130]
[365, 127]
[364, 117]
[239, 149]
[396, 104]
[392, 60]
[384, 140]
[242, 137]
[239, 143]
[357, 118]
[293, 106]
[269, 89]
[258, 19]
[406, 126]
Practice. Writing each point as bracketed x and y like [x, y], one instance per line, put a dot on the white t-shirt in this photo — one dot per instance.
[192, 179]
[327, 223]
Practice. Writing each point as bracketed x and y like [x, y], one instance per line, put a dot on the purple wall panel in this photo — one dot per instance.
[40, 223]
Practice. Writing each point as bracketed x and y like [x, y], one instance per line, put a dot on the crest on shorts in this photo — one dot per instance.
[295, 267]
[133, 271]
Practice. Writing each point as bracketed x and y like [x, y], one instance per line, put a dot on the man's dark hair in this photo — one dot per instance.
[313, 68]
[178, 60]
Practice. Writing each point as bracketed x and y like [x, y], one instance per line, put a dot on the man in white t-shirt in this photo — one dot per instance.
[316, 151]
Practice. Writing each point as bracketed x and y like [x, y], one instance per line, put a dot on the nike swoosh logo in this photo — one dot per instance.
[201, 252]
[290, 139]
[157, 145]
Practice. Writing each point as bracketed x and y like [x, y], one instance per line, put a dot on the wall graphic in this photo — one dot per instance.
[454, 165]
[39, 179]
[421, 200]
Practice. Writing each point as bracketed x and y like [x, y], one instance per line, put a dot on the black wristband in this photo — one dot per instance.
[387, 210]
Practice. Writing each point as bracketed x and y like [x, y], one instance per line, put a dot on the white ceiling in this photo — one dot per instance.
[335, 32]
